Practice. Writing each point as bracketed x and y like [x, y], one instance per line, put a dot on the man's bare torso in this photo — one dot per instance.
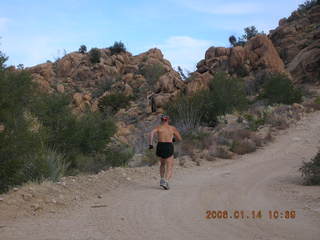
[165, 133]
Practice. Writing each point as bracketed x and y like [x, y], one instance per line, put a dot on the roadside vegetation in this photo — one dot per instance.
[40, 137]
[310, 171]
[225, 94]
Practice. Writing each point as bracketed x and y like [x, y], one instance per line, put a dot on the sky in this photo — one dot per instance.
[35, 31]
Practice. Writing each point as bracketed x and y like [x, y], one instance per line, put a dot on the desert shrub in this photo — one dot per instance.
[317, 100]
[118, 47]
[69, 134]
[17, 140]
[3, 59]
[152, 73]
[225, 95]
[197, 139]
[119, 155]
[113, 102]
[93, 132]
[310, 171]
[95, 55]
[40, 138]
[150, 158]
[48, 164]
[83, 49]
[186, 112]
[243, 146]
[103, 86]
[278, 88]
[255, 122]
[233, 40]
[250, 32]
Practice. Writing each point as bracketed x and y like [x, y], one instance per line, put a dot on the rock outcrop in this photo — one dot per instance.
[87, 82]
[257, 57]
[297, 40]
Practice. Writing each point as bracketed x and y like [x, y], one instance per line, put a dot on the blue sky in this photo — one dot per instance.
[34, 31]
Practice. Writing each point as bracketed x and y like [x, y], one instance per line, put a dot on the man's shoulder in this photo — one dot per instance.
[172, 127]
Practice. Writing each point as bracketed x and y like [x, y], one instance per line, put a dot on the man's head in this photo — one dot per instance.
[164, 118]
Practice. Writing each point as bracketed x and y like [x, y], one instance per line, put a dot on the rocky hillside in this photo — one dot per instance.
[75, 74]
[251, 61]
[297, 40]
[148, 78]
[293, 47]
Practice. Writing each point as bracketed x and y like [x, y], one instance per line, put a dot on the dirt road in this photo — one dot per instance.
[265, 180]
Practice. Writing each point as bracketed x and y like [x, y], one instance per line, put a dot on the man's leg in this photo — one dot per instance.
[169, 171]
[162, 167]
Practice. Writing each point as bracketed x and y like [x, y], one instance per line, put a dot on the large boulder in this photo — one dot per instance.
[257, 58]
[297, 41]
[306, 64]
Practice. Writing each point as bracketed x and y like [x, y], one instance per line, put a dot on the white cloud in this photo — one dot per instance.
[221, 7]
[31, 51]
[3, 24]
[184, 51]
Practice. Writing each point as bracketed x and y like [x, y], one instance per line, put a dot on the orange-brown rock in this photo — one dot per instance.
[256, 57]
[296, 40]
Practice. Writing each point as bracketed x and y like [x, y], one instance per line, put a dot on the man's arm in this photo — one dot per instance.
[177, 134]
[154, 131]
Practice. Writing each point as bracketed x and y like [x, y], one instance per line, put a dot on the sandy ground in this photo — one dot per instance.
[266, 180]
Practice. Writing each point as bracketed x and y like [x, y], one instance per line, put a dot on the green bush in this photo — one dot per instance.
[249, 32]
[3, 59]
[93, 132]
[152, 73]
[95, 55]
[113, 102]
[17, 140]
[41, 139]
[255, 122]
[278, 88]
[224, 95]
[83, 49]
[114, 156]
[118, 47]
[317, 100]
[186, 112]
[47, 164]
[68, 134]
[310, 171]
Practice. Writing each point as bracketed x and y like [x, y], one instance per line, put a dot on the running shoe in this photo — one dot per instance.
[163, 183]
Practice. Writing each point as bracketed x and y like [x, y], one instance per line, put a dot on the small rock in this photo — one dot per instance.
[15, 189]
[1, 199]
[27, 197]
[36, 207]
[99, 196]
[129, 179]
[54, 201]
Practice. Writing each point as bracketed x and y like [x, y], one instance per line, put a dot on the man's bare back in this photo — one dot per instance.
[166, 133]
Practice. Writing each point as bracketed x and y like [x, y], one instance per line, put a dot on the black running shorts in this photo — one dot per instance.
[165, 149]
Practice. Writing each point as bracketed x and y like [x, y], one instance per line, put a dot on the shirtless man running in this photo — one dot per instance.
[166, 134]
